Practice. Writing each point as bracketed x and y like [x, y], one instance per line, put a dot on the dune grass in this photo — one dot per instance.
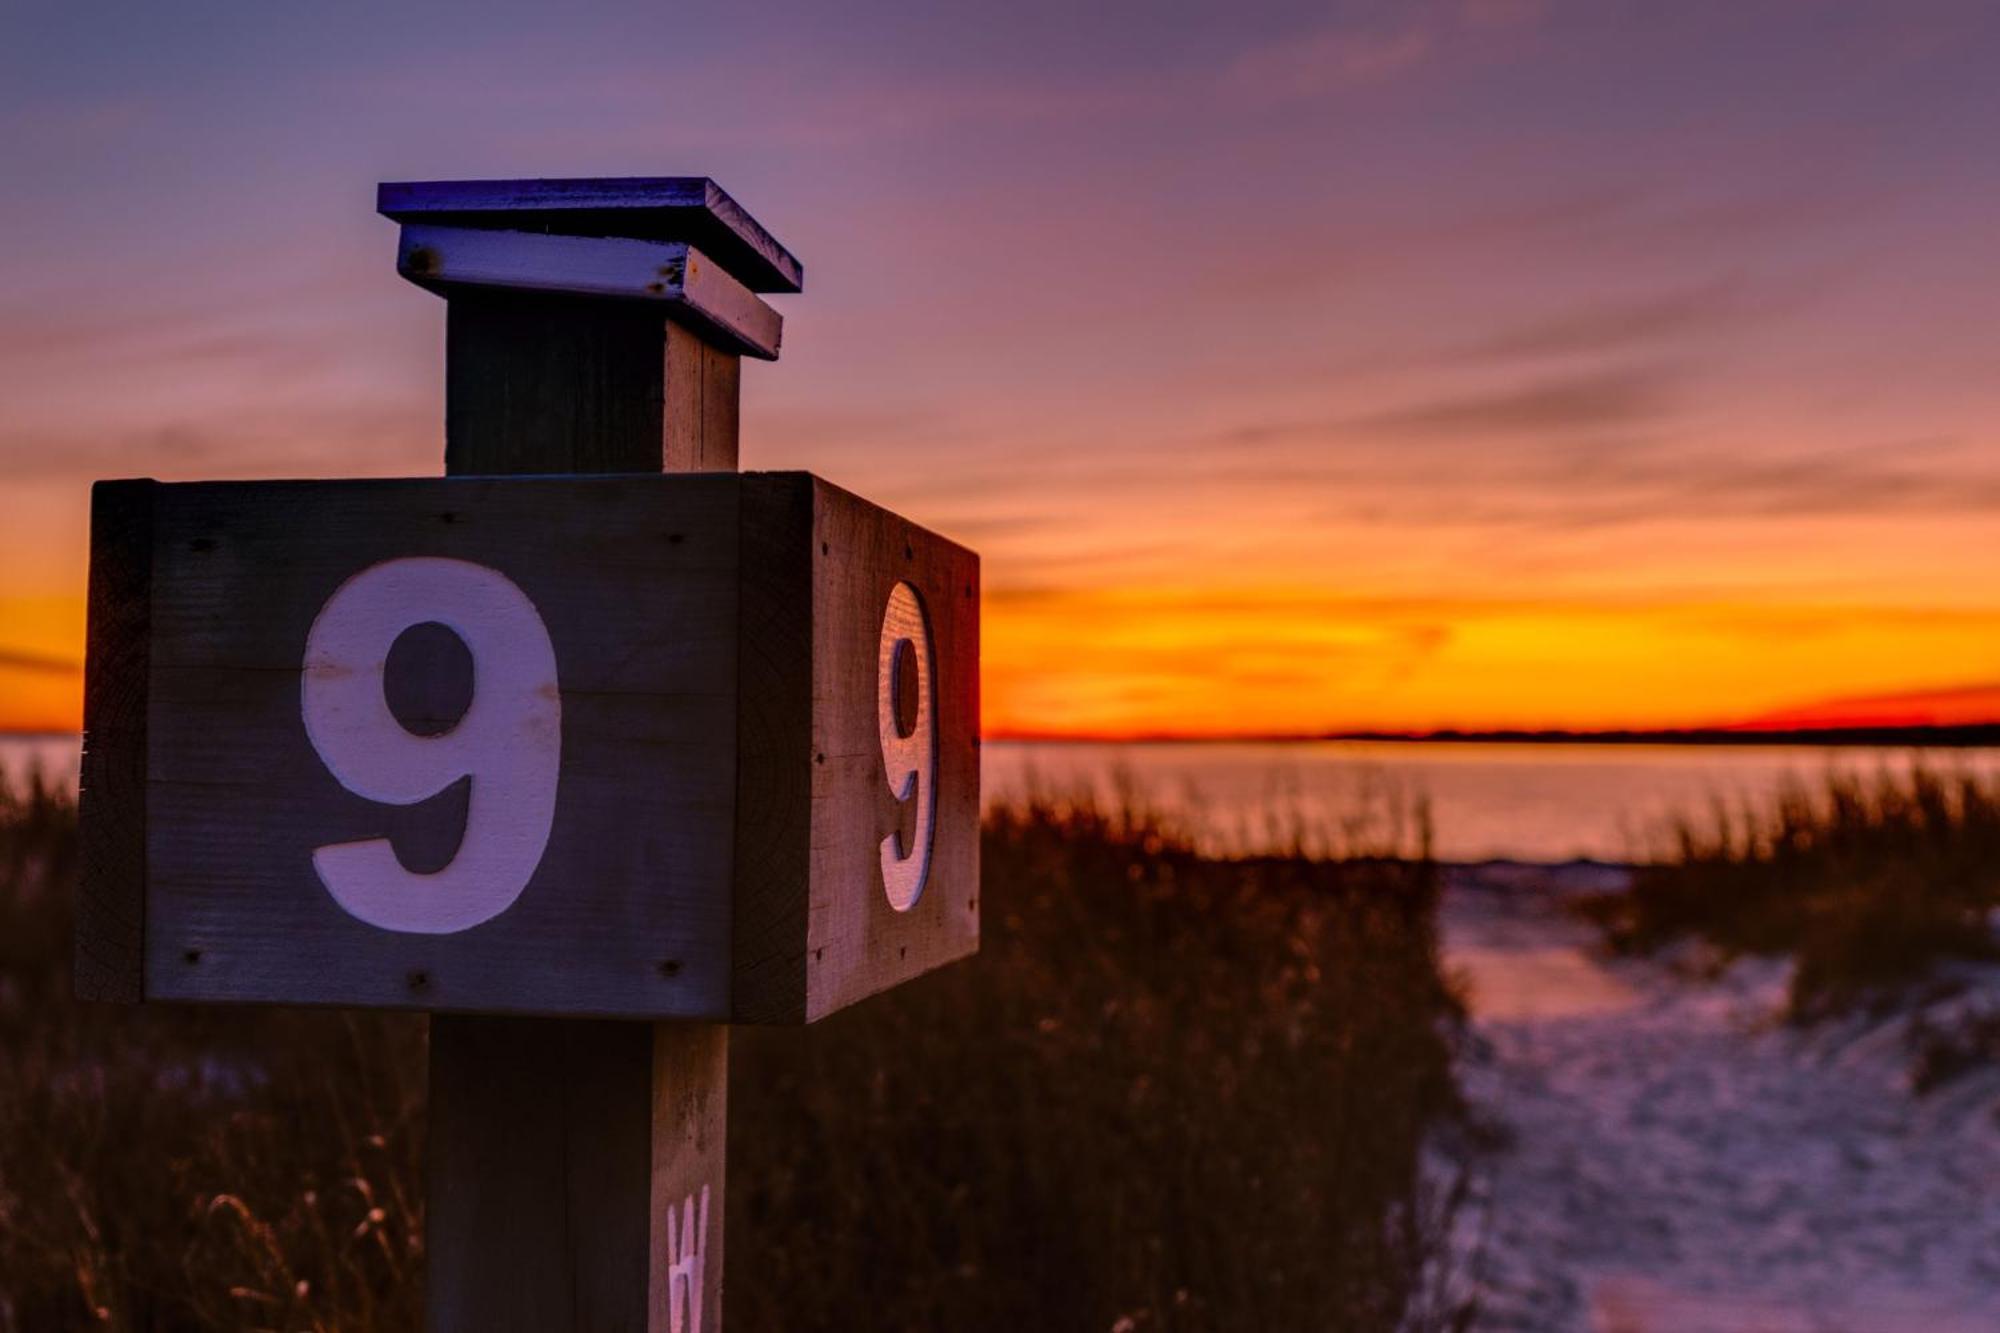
[1869, 882]
[180, 1168]
[1171, 1093]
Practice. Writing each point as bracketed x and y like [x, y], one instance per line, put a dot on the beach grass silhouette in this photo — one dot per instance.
[1172, 1092]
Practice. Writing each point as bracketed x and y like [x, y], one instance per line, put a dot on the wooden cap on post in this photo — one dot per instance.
[693, 209]
[594, 325]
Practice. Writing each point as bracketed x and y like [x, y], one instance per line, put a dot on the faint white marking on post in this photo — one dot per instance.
[687, 1244]
[509, 741]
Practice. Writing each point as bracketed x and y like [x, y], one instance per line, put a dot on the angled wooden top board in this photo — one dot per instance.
[654, 208]
[688, 286]
[698, 746]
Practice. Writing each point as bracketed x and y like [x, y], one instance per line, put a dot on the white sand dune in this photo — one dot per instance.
[1680, 1162]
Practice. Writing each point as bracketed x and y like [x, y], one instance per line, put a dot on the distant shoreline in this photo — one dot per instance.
[1980, 736]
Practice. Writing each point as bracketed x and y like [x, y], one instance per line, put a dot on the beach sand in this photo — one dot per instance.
[1676, 1159]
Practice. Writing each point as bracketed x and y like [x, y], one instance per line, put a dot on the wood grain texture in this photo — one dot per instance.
[690, 1115]
[856, 943]
[702, 395]
[670, 276]
[722, 795]
[815, 930]
[616, 1270]
[111, 888]
[628, 912]
[549, 384]
[539, 1197]
[775, 758]
[662, 208]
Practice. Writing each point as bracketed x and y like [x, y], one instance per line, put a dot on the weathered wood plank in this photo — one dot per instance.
[540, 1201]
[725, 794]
[857, 942]
[111, 888]
[689, 1147]
[671, 276]
[627, 910]
[673, 1080]
[702, 383]
[816, 925]
[671, 208]
[775, 759]
[548, 384]
[576, 1175]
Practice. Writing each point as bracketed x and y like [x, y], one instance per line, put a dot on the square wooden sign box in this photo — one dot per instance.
[696, 746]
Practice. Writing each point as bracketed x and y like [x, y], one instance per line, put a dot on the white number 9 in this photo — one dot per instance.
[509, 741]
[908, 758]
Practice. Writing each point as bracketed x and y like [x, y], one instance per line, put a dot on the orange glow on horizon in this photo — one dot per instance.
[1130, 662]
[1127, 663]
[41, 656]
[1968, 706]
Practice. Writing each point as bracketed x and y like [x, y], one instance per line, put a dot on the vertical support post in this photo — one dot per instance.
[576, 1166]
[552, 384]
[702, 400]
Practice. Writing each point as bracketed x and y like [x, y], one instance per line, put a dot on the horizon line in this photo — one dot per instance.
[1944, 734]
[1955, 734]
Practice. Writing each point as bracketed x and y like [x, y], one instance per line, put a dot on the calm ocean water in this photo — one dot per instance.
[1519, 802]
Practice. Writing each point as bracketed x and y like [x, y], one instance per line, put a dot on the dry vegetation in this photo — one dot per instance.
[1871, 884]
[191, 1169]
[1172, 1093]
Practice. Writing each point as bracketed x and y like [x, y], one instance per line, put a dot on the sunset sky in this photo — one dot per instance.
[1293, 367]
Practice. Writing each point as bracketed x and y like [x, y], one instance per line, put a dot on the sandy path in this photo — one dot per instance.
[1680, 1162]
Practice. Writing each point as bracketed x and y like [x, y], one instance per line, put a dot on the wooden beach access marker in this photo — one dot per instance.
[592, 747]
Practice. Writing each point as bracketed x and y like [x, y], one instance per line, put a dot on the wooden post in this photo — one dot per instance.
[585, 765]
[576, 1167]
